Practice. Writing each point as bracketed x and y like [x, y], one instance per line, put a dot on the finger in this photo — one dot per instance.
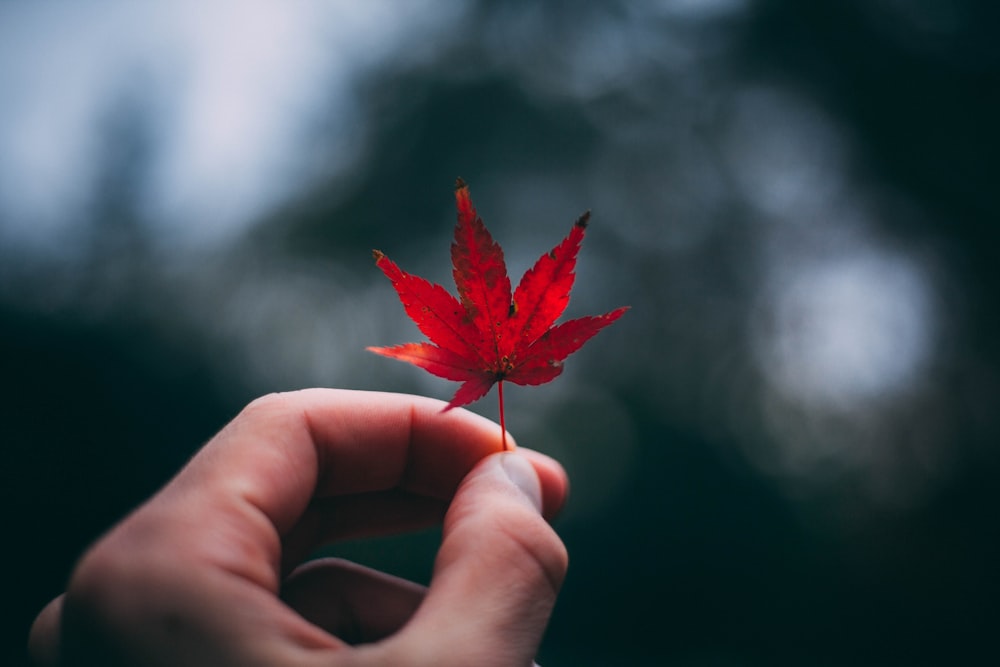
[553, 479]
[284, 449]
[352, 602]
[496, 576]
[375, 461]
[43, 641]
[245, 490]
[359, 516]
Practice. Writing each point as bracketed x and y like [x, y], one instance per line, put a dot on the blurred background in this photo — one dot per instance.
[785, 454]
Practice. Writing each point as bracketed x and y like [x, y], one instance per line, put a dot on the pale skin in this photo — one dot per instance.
[209, 571]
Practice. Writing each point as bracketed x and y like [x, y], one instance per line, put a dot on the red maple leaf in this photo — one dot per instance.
[488, 335]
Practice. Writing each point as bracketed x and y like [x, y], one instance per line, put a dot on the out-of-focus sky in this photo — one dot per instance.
[229, 95]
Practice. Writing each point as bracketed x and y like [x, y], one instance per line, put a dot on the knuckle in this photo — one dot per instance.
[95, 589]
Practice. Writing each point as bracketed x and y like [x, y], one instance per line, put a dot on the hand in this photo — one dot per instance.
[208, 571]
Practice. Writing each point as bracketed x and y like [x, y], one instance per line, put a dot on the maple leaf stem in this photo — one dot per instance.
[503, 426]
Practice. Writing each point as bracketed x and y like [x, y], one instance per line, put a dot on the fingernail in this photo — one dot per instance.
[520, 471]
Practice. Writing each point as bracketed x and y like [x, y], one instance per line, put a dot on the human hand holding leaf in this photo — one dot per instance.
[489, 335]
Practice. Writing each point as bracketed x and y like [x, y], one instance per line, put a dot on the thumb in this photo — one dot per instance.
[497, 573]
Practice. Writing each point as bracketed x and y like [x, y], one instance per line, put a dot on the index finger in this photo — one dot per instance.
[283, 450]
